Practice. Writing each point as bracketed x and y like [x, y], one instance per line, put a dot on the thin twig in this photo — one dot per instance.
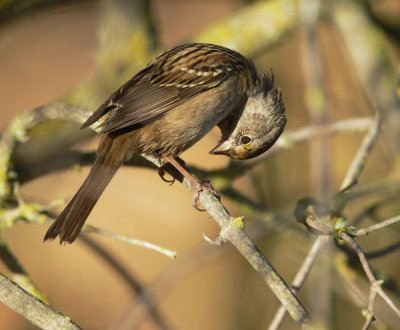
[167, 252]
[375, 284]
[148, 301]
[370, 312]
[320, 228]
[363, 152]
[323, 229]
[364, 262]
[295, 136]
[389, 301]
[377, 226]
[299, 279]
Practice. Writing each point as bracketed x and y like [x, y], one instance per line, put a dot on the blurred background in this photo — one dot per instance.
[334, 61]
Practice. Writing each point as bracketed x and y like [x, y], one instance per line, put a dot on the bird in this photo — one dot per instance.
[166, 108]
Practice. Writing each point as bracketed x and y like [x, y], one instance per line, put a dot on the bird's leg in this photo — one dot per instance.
[161, 170]
[197, 185]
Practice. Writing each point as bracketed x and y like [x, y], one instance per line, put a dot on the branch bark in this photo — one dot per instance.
[33, 309]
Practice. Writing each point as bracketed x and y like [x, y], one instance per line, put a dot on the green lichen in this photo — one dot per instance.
[30, 212]
[238, 222]
[345, 229]
[339, 222]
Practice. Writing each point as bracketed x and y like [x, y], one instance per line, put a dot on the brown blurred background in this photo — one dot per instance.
[46, 52]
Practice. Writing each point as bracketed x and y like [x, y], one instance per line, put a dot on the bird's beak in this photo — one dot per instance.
[222, 148]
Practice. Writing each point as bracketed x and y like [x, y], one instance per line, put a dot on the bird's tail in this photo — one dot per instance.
[108, 159]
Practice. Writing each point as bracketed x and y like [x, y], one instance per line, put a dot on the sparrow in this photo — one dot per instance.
[166, 108]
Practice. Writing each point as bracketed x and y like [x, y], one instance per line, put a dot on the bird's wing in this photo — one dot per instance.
[111, 102]
[148, 99]
[169, 80]
[156, 90]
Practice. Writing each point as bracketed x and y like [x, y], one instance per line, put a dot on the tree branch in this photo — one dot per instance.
[231, 229]
[17, 132]
[33, 309]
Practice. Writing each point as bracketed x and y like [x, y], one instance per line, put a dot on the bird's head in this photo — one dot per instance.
[261, 123]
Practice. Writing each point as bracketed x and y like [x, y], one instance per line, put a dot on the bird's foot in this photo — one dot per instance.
[199, 186]
[161, 173]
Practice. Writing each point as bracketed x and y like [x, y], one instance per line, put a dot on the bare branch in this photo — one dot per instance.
[233, 232]
[20, 125]
[375, 284]
[323, 229]
[291, 138]
[363, 152]
[299, 279]
[370, 312]
[33, 309]
[320, 228]
[377, 226]
[92, 229]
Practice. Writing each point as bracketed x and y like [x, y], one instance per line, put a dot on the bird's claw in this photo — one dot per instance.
[202, 186]
[161, 173]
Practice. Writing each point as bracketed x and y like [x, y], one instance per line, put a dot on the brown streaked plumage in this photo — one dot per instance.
[165, 109]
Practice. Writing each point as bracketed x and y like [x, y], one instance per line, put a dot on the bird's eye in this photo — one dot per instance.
[245, 139]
